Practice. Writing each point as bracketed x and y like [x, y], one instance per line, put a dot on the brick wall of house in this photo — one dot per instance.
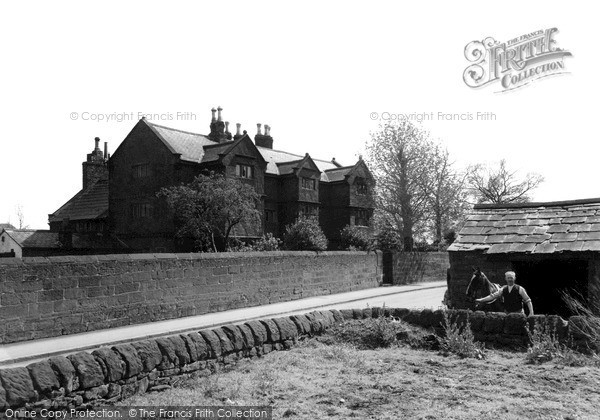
[126, 189]
[46, 297]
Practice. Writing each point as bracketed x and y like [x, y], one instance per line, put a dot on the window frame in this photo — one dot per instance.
[244, 171]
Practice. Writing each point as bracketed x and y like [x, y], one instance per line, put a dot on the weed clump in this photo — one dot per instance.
[545, 346]
[459, 339]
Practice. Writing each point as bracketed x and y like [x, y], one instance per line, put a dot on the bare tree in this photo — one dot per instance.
[21, 217]
[445, 189]
[416, 182]
[501, 185]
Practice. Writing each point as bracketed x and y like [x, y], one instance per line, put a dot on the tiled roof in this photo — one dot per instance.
[188, 145]
[192, 147]
[91, 203]
[273, 157]
[212, 153]
[533, 228]
[31, 238]
[338, 174]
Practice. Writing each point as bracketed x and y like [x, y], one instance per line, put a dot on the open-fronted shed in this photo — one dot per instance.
[554, 247]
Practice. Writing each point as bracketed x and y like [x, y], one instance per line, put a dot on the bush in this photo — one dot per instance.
[355, 238]
[460, 340]
[266, 243]
[389, 240]
[304, 234]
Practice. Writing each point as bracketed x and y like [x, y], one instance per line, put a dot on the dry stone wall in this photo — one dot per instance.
[105, 375]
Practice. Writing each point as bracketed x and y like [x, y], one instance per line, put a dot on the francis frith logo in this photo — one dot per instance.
[514, 63]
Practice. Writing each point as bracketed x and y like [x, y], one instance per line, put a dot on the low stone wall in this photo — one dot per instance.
[414, 267]
[494, 328]
[45, 297]
[108, 374]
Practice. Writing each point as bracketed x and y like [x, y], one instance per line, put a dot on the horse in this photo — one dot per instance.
[479, 287]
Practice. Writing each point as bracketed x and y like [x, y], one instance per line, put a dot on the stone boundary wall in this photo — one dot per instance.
[44, 297]
[109, 374]
[415, 267]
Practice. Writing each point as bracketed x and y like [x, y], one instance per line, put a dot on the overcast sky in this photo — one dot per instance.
[314, 71]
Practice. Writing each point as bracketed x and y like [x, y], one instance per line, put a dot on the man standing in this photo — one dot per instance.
[513, 295]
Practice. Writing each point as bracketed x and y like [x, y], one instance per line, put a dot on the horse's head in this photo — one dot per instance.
[479, 281]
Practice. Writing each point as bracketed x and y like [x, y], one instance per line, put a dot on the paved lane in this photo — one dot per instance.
[418, 299]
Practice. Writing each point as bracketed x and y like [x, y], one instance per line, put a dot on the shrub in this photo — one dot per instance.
[355, 238]
[459, 339]
[304, 234]
[389, 240]
[266, 243]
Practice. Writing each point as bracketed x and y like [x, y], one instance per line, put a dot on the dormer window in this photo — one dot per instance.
[361, 186]
[309, 183]
[244, 171]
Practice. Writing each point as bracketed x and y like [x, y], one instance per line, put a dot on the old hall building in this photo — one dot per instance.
[126, 208]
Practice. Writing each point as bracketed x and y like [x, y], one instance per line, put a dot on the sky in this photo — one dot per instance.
[321, 74]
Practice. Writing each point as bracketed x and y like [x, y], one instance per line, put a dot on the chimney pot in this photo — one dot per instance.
[213, 110]
[258, 131]
[219, 109]
[238, 126]
[97, 142]
[226, 126]
[245, 132]
[105, 150]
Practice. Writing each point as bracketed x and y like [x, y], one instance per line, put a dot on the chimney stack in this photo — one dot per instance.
[94, 167]
[264, 140]
[227, 133]
[217, 127]
[238, 129]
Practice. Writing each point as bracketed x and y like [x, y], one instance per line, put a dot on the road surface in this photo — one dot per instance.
[418, 299]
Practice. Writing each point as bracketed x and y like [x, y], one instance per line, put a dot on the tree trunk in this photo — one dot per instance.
[405, 205]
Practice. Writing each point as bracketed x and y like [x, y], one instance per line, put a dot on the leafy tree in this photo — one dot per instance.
[415, 182]
[389, 239]
[209, 208]
[355, 238]
[304, 234]
[499, 185]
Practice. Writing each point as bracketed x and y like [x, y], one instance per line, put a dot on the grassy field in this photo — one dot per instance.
[328, 377]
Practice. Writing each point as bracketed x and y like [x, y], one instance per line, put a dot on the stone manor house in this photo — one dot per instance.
[118, 207]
